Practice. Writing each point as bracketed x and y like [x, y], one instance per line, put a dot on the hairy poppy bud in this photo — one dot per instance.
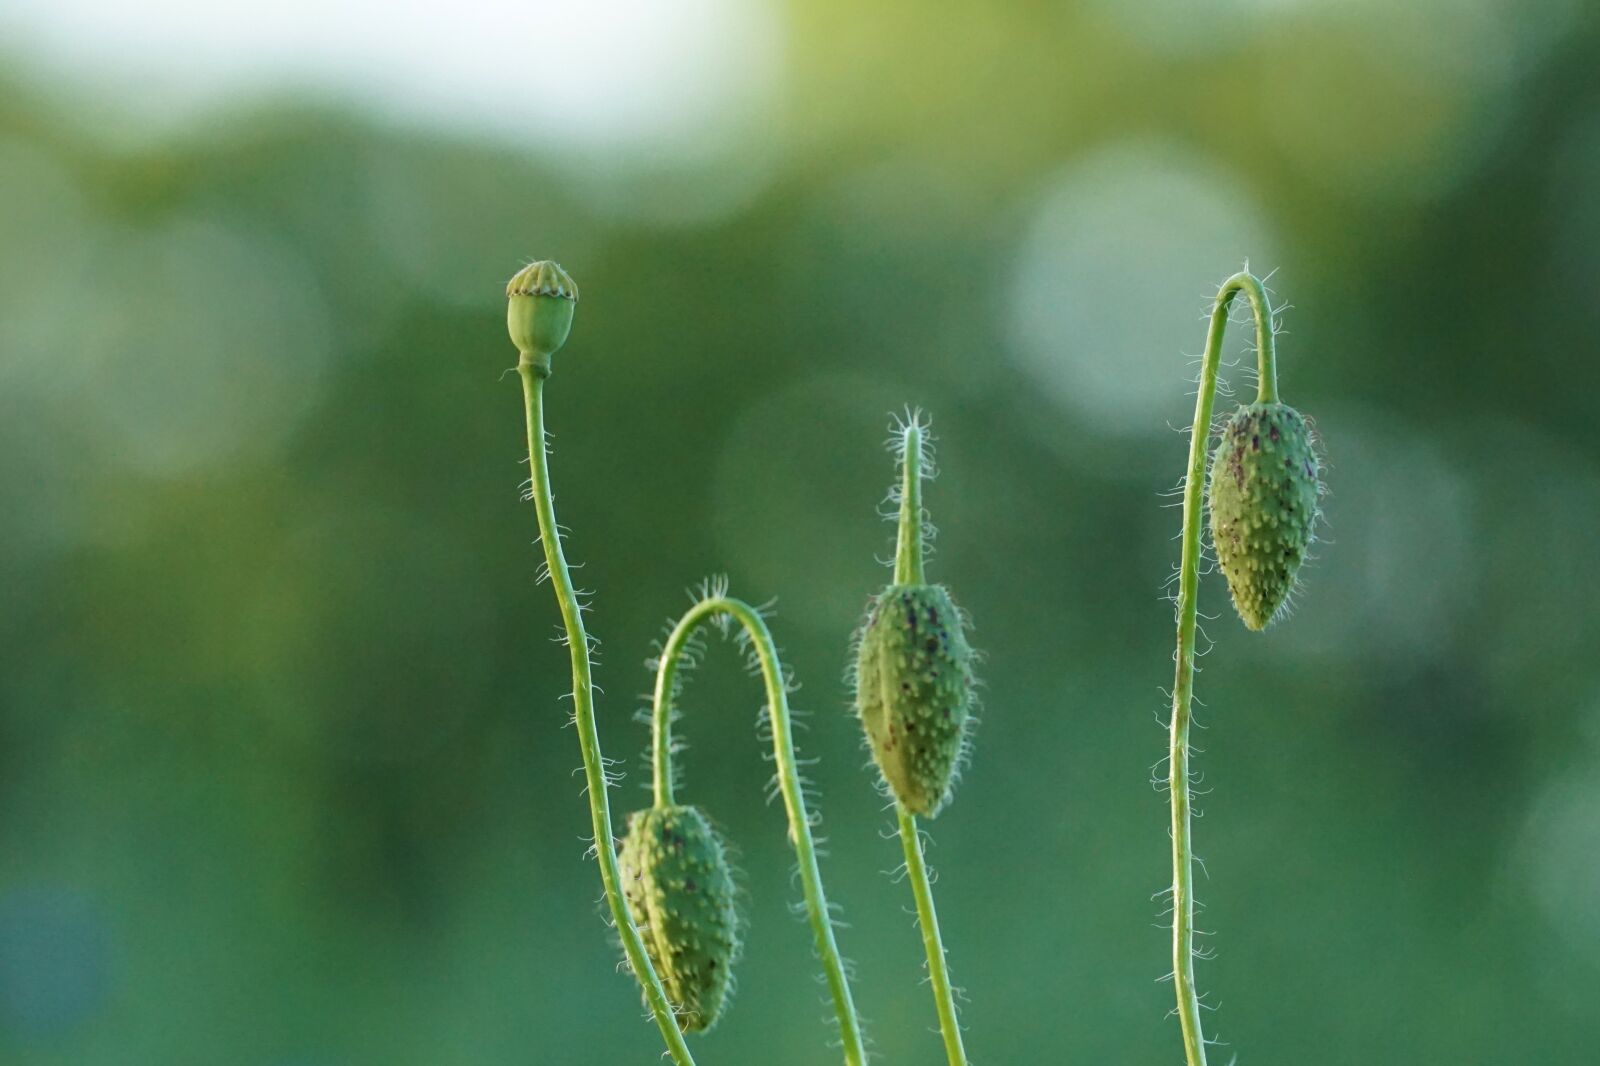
[540, 301]
[1263, 500]
[914, 691]
[680, 893]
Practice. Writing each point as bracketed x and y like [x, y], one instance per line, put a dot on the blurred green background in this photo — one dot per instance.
[283, 773]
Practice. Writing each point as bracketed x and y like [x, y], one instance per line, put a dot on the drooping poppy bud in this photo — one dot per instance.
[1263, 497]
[680, 893]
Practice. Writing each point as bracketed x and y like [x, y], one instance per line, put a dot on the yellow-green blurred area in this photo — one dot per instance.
[285, 775]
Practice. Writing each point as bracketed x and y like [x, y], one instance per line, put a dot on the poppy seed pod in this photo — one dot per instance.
[541, 298]
[680, 894]
[914, 691]
[1264, 494]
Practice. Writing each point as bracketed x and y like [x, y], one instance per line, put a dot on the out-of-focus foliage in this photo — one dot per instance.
[283, 773]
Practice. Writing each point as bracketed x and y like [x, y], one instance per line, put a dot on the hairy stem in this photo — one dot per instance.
[932, 942]
[800, 820]
[908, 570]
[908, 537]
[1194, 1042]
[534, 370]
[1261, 307]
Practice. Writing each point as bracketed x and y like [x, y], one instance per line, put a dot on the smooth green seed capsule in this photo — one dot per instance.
[1263, 499]
[680, 893]
[540, 301]
[914, 691]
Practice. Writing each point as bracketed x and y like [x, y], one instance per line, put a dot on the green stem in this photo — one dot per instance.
[1261, 307]
[1188, 595]
[908, 570]
[932, 942]
[534, 370]
[794, 801]
[908, 541]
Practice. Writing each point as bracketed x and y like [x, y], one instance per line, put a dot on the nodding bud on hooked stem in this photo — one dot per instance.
[540, 300]
[1263, 499]
[680, 893]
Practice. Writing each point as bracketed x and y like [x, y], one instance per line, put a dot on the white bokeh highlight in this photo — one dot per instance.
[643, 75]
[1115, 273]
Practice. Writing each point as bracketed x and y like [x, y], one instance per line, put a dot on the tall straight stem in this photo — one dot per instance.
[794, 802]
[534, 370]
[932, 942]
[908, 570]
[1194, 1043]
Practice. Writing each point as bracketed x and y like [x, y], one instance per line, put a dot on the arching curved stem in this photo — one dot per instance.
[1261, 308]
[1194, 1043]
[908, 570]
[794, 802]
[534, 370]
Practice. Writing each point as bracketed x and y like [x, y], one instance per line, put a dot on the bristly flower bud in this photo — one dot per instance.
[914, 691]
[680, 892]
[541, 299]
[1263, 499]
